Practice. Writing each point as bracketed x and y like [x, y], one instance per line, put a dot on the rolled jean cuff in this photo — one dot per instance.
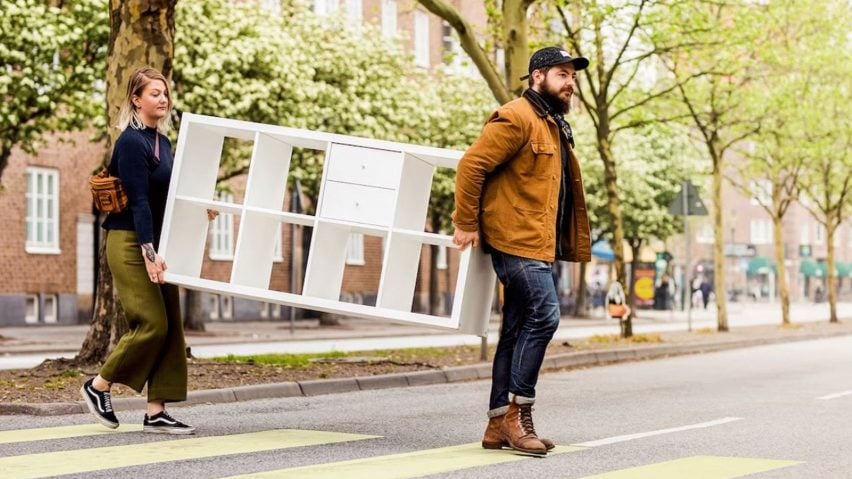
[520, 399]
[498, 412]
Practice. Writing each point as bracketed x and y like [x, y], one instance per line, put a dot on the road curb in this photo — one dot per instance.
[470, 372]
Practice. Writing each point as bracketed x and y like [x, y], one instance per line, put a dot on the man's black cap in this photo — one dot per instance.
[550, 56]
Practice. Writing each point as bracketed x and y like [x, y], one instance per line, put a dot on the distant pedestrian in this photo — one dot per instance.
[519, 187]
[616, 302]
[153, 352]
[706, 288]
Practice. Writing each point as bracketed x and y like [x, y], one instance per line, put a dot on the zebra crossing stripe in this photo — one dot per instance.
[113, 457]
[698, 467]
[406, 465]
[62, 432]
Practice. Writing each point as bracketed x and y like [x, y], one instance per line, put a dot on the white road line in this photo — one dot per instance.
[835, 396]
[630, 437]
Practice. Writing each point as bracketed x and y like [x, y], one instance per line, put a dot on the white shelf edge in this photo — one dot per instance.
[309, 302]
[219, 206]
[318, 139]
[425, 237]
[286, 216]
[365, 228]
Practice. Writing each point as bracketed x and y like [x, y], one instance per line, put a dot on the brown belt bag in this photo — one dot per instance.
[107, 192]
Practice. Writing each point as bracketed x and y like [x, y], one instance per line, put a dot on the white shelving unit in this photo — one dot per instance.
[373, 187]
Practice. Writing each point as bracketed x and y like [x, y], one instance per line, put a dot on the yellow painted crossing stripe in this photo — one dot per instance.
[97, 459]
[698, 467]
[406, 465]
[62, 432]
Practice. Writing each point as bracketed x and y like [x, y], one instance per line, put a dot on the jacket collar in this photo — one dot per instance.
[538, 103]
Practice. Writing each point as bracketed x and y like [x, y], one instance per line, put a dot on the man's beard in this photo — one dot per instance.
[551, 96]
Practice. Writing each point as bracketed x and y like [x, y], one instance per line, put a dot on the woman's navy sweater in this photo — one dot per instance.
[145, 180]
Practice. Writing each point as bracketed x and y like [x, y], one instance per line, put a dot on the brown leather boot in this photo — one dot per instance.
[517, 429]
[494, 440]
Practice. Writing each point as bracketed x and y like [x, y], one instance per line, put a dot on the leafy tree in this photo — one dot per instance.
[716, 82]
[53, 59]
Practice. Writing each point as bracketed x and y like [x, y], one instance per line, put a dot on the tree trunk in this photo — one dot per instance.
[516, 43]
[830, 276]
[613, 205]
[783, 287]
[193, 313]
[718, 246]
[580, 301]
[634, 265]
[141, 33]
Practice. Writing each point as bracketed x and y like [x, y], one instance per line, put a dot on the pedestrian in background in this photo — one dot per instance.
[520, 194]
[153, 351]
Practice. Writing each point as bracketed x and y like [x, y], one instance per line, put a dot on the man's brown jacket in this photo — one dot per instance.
[507, 187]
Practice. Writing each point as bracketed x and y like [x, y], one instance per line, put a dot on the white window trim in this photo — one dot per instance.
[704, 233]
[441, 262]
[761, 231]
[31, 299]
[278, 248]
[355, 12]
[227, 309]
[214, 307]
[222, 226]
[355, 250]
[805, 235]
[32, 246]
[761, 192]
[50, 309]
[325, 7]
[421, 39]
[389, 18]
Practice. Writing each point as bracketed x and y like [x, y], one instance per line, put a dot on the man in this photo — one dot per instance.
[519, 193]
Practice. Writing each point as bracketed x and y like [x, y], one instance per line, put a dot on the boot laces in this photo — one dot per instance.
[526, 419]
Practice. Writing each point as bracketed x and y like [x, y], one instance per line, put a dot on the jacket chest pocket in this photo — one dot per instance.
[544, 154]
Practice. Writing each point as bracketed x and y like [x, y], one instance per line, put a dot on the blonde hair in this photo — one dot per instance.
[128, 116]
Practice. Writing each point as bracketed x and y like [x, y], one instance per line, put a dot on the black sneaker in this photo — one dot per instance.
[162, 423]
[100, 404]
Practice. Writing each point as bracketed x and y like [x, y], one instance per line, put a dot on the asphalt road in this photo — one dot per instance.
[780, 411]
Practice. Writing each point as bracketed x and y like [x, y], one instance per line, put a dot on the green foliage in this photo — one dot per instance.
[301, 70]
[53, 71]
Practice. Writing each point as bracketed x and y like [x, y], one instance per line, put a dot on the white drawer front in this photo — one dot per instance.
[364, 166]
[356, 203]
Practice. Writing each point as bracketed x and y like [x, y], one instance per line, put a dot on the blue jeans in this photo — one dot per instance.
[530, 318]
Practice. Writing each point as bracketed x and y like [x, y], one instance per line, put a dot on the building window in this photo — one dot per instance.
[355, 249]
[227, 311]
[277, 251]
[271, 6]
[421, 39]
[820, 234]
[42, 216]
[324, 7]
[214, 306]
[354, 12]
[222, 233]
[31, 316]
[50, 309]
[761, 192]
[270, 310]
[761, 231]
[442, 257]
[704, 233]
[389, 15]
[805, 235]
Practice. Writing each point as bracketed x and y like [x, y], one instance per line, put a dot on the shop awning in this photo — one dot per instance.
[760, 265]
[809, 267]
[601, 250]
[843, 268]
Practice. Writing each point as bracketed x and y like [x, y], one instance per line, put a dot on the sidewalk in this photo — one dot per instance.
[23, 347]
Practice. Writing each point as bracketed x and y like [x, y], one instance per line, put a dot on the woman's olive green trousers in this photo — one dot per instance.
[154, 350]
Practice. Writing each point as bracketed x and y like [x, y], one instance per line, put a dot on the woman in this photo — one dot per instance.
[153, 352]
